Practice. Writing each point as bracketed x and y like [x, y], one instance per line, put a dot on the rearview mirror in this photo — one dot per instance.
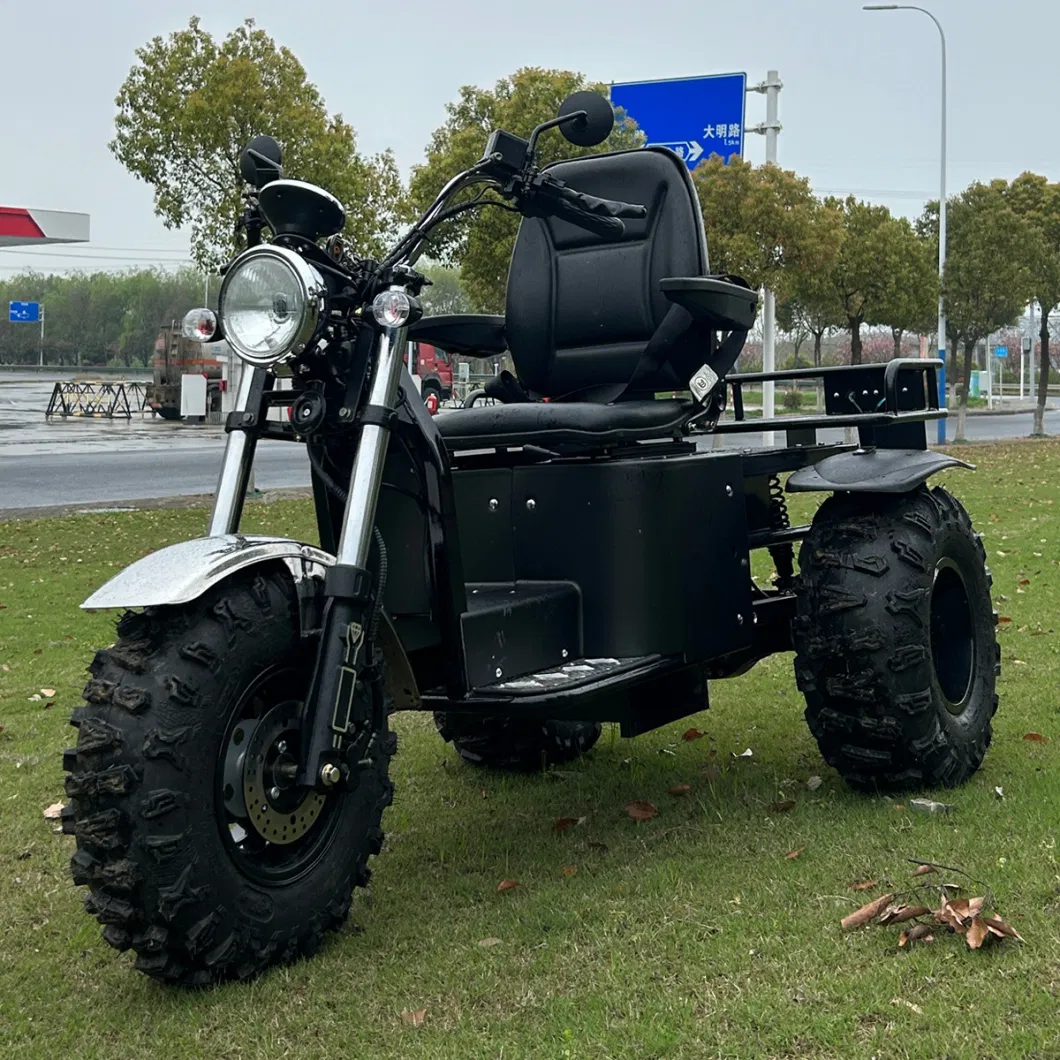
[259, 163]
[594, 126]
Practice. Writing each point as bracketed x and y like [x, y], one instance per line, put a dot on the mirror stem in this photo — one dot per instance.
[564, 119]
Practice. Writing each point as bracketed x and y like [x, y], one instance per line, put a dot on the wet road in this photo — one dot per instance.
[82, 462]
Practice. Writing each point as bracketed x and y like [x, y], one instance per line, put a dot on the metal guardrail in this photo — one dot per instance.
[97, 399]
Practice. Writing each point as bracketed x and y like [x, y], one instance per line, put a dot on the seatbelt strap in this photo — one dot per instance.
[706, 378]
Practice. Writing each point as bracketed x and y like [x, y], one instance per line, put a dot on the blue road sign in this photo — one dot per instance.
[23, 312]
[694, 116]
[1000, 351]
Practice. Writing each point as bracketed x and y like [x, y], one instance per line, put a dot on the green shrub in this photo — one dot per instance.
[792, 399]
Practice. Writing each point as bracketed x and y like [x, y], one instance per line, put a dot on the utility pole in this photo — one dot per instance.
[771, 87]
[41, 362]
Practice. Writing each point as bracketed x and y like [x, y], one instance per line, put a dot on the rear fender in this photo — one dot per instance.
[872, 471]
[182, 572]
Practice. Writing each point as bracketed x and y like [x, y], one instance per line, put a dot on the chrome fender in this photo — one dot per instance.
[182, 572]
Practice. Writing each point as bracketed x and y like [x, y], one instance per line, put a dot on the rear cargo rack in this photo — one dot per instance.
[889, 403]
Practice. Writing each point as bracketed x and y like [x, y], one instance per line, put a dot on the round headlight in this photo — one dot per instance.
[270, 303]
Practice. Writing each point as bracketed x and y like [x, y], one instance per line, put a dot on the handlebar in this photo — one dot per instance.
[602, 217]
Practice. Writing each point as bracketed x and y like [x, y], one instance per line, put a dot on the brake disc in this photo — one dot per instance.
[278, 811]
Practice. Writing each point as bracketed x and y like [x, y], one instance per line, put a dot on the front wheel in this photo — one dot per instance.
[894, 635]
[198, 849]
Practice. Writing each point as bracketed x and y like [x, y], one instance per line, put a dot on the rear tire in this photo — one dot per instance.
[894, 635]
[168, 710]
[516, 744]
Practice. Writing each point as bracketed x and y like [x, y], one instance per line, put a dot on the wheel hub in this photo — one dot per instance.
[259, 777]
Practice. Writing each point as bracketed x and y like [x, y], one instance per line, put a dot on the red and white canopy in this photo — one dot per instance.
[20, 227]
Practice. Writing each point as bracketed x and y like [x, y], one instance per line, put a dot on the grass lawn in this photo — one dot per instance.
[690, 935]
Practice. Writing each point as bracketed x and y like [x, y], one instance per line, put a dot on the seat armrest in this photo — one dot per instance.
[721, 304]
[472, 333]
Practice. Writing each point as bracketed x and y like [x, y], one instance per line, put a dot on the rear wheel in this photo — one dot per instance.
[894, 637]
[198, 849]
[516, 743]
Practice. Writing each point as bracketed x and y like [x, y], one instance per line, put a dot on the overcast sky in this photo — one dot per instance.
[859, 108]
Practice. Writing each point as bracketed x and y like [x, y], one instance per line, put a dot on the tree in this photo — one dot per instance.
[909, 299]
[95, 318]
[481, 241]
[190, 105]
[446, 293]
[1038, 203]
[988, 279]
[871, 261]
[763, 223]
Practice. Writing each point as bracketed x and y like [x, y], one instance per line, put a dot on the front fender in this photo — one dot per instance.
[182, 572]
[872, 471]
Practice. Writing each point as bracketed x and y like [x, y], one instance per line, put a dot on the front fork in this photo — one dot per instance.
[336, 704]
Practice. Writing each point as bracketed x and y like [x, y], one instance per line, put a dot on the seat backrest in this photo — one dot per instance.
[580, 308]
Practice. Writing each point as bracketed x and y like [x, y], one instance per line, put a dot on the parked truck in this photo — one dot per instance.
[176, 356]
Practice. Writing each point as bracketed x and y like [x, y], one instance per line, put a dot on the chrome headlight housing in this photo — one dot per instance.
[270, 304]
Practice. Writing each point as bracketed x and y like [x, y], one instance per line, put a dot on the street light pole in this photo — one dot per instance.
[770, 87]
[942, 203]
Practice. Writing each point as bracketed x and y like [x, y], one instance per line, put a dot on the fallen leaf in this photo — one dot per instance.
[47, 692]
[864, 886]
[38, 651]
[907, 1004]
[5, 668]
[998, 927]
[563, 823]
[34, 698]
[923, 870]
[692, 734]
[813, 783]
[667, 751]
[744, 754]
[866, 913]
[1025, 581]
[507, 885]
[782, 807]
[977, 934]
[680, 789]
[999, 792]
[570, 870]
[53, 812]
[1002, 619]
[958, 911]
[1019, 662]
[1034, 737]
[640, 810]
[488, 942]
[916, 933]
[485, 793]
[899, 914]
[791, 855]
[414, 1016]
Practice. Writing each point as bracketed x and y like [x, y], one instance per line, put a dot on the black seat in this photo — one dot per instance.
[581, 310]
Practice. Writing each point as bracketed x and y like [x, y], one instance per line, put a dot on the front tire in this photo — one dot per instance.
[203, 877]
[515, 744]
[895, 644]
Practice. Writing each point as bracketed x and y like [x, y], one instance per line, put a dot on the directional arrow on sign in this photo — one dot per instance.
[695, 149]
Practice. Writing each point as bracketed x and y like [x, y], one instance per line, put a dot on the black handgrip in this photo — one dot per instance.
[598, 224]
[601, 207]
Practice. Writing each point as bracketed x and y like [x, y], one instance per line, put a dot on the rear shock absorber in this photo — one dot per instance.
[783, 555]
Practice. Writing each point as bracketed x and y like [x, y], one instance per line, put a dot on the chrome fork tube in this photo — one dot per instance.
[235, 466]
[367, 472]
